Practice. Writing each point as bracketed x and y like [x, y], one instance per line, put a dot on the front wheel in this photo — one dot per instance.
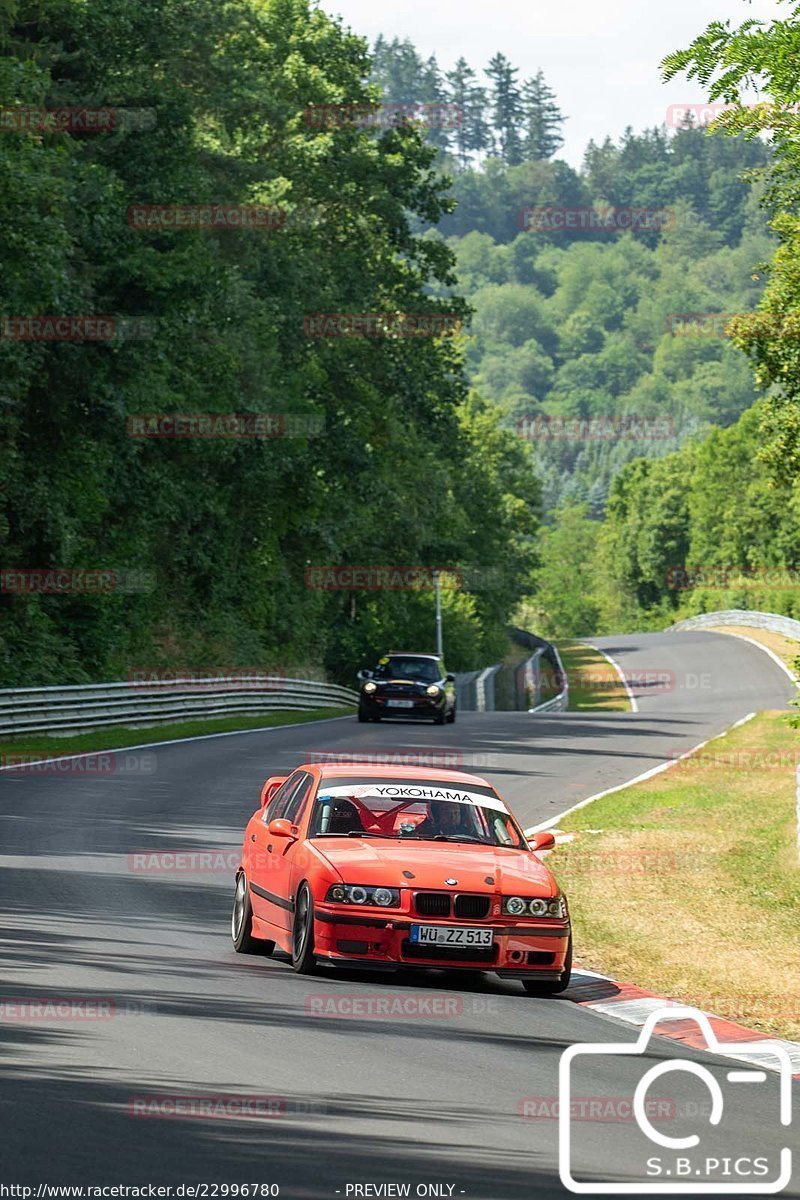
[551, 987]
[303, 961]
[440, 718]
[362, 716]
[452, 718]
[242, 922]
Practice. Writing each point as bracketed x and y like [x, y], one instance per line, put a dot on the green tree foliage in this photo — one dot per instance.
[226, 529]
[564, 602]
[543, 119]
[732, 63]
[509, 121]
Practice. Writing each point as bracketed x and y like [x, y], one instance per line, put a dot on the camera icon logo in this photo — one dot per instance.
[683, 1165]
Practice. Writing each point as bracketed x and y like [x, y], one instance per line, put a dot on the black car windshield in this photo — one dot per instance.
[407, 667]
[413, 811]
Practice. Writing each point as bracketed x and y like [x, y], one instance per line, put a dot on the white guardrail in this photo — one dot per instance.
[740, 616]
[504, 687]
[559, 703]
[90, 706]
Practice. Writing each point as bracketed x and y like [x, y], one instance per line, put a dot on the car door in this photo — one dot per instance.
[262, 862]
[282, 853]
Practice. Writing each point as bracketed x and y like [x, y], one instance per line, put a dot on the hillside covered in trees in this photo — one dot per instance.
[593, 343]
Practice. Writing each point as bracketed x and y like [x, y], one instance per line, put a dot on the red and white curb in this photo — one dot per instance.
[635, 1006]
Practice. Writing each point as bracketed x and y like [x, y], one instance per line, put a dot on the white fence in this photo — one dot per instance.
[740, 616]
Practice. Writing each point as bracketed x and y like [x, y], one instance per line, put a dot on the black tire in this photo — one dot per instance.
[551, 987]
[376, 720]
[362, 716]
[303, 960]
[242, 922]
[440, 718]
[451, 720]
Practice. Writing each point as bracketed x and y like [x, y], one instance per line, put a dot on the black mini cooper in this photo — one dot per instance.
[408, 685]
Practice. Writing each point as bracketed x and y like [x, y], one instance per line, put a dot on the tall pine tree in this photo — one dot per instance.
[472, 133]
[507, 110]
[543, 120]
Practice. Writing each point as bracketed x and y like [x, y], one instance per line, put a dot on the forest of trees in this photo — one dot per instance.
[421, 451]
[218, 535]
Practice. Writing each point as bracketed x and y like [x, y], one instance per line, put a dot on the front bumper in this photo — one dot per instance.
[530, 951]
[423, 706]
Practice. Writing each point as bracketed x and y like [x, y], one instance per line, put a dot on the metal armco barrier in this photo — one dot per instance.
[91, 706]
[740, 616]
[515, 688]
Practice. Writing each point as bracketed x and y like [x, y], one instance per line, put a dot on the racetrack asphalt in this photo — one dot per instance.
[441, 1079]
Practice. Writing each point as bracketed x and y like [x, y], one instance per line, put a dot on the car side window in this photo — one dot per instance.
[294, 808]
[282, 797]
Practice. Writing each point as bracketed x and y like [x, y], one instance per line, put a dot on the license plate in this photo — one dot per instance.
[399, 703]
[450, 935]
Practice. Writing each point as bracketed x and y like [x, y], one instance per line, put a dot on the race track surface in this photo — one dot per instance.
[427, 1092]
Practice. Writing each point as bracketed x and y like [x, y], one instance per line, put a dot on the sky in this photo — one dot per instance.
[601, 57]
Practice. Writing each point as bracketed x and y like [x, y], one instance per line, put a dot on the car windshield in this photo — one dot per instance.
[413, 812]
[408, 667]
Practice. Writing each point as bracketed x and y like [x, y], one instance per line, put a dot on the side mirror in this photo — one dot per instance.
[364, 674]
[449, 678]
[270, 788]
[542, 841]
[280, 828]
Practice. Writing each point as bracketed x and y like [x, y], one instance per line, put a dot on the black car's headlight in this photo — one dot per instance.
[369, 688]
[522, 906]
[433, 690]
[353, 893]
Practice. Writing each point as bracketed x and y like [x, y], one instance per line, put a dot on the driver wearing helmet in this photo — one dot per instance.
[447, 819]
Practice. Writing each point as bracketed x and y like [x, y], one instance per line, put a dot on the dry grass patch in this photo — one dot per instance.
[594, 683]
[691, 887]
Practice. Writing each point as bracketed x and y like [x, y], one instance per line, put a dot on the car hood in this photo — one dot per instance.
[372, 862]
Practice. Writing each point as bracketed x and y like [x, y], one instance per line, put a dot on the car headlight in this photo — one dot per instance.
[369, 688]
[433, 690]
[516, 906]
[353, 893]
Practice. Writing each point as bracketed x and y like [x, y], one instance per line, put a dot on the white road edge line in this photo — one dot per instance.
[665, 766]
[779, 662]
[199, 737]
[618, 669]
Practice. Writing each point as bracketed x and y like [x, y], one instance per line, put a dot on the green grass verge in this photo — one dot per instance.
[689, 884]
[594, 684]
[120, 735]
